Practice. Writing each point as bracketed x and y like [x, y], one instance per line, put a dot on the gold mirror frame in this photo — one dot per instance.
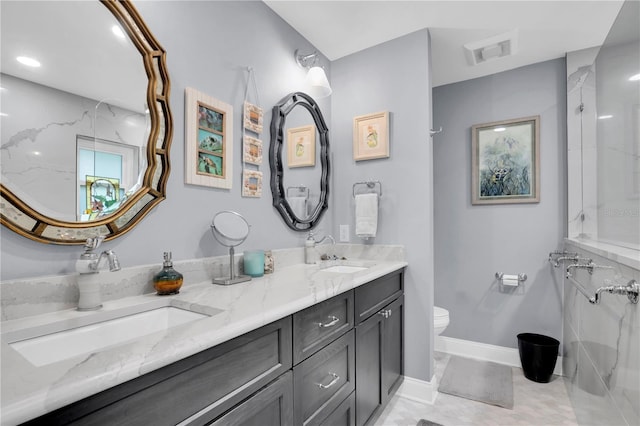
[24, 220]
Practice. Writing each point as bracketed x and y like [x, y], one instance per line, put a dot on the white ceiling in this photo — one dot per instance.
[546, 29]
[79, 56]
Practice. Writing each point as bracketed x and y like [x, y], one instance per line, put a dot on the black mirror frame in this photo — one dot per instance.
[278, 120]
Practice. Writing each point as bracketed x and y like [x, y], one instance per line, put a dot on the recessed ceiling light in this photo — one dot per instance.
[499, 129]
[117, 31]
[634, 77]
[604, 117]
[30, 62]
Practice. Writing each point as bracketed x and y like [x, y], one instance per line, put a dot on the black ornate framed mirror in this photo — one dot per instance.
[298, 128]
[99, 102]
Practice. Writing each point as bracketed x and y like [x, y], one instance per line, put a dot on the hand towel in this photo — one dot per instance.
[299, 206]
[366, 215]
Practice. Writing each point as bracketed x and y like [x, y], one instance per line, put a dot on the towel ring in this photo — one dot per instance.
[371, 185]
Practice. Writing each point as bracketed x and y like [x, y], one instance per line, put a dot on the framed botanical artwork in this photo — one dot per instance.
[252, 150]
[208, 141]
[301, 146]
[505, 159]
[251, 183]
[371, 136]
[253, 117]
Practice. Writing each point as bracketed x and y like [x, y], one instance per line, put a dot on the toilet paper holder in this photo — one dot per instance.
[510, 280]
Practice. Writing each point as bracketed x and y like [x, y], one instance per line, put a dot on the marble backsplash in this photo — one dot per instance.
[601, 347]
[39, 295]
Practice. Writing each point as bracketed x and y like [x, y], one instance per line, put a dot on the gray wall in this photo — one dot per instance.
[393, 76]
[472, 243]
[238, 35]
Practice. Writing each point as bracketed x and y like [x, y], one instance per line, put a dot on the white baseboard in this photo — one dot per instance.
[484, 352]
[419, 390]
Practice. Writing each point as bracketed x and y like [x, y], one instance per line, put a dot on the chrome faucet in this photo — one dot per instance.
[311, 254]
[88, 267]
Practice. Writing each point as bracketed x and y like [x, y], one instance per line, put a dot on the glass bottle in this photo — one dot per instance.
[168, 280]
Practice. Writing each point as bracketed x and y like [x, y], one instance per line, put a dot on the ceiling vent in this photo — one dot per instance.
[491, 48]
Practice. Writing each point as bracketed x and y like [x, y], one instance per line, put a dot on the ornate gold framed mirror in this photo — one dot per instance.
[109, 87]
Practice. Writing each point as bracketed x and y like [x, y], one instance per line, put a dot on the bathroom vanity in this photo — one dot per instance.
[303, 346]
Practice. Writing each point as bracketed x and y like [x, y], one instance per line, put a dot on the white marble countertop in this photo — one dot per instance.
[29, 391]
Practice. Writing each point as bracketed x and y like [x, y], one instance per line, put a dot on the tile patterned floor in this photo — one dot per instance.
[544, 404]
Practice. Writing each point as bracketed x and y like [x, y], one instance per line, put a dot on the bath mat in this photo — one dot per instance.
[482, 381]
[424, 422]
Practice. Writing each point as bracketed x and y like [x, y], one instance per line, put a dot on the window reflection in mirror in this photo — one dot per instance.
[77, 94]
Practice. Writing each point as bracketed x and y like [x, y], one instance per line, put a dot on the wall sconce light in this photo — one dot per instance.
[316, 77]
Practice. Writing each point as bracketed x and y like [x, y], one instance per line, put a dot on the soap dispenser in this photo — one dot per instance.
[310, 252]
[168, 280]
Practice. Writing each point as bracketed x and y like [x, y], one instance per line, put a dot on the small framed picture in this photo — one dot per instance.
[208, 146]
[371, 136]
[251, 183]
[505, 161]
[102, 193]
[253, 117]
[301, 146]
[252, 150]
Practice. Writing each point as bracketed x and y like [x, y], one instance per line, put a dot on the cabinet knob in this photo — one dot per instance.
[334, 320]
[385, 313]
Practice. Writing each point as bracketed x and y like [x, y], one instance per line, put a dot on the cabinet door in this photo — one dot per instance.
[369, 368]
[393, 349]
[271, 406]
[379, 360]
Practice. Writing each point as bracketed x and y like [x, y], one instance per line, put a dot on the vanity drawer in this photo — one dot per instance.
[320, 324]
[371, 297]
[271, 406]
[344, 415]
[195, 390]
[323, 381]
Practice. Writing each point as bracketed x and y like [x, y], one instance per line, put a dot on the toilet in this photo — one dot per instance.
[440, 319]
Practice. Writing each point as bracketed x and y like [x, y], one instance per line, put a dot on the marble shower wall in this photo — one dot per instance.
[601, 347]
[39, 136]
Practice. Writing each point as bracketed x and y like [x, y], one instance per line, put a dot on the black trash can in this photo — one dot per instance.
[538, 355]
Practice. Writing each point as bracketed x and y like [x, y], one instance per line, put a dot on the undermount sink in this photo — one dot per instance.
[344, 269]
[344, 266]
[48, 343]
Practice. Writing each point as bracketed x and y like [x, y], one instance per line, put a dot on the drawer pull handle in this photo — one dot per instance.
[334, 321]
[333, 382]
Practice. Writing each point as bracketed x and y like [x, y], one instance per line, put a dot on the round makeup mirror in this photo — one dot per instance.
[230, 229]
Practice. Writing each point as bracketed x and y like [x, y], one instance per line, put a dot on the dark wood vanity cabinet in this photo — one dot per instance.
[193, 391]
[336, 363]
[379, 345]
